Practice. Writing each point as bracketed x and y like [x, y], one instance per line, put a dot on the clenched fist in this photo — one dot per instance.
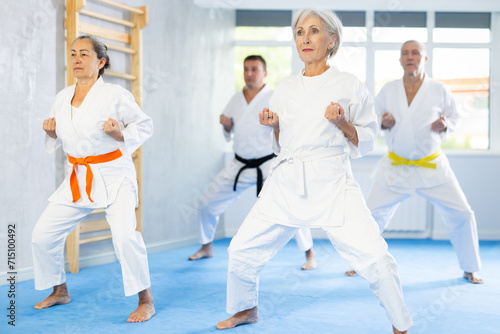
[269, 118]
[335, 114]
[439, 124]
[227, 122]
[49, 125]
[387, 121]
[112, 129]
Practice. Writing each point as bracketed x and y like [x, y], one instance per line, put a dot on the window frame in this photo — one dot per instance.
[494, 93]
[371, 47]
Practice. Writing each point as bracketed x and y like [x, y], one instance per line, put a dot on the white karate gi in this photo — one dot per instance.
[412, 138]
[114, 185]
[251, 140]
[311, 185]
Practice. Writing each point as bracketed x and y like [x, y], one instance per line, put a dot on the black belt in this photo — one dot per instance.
[252, 163]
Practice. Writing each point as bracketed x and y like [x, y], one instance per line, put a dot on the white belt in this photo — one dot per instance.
[298, 158]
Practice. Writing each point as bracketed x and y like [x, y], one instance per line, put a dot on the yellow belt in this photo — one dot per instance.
[398, 161]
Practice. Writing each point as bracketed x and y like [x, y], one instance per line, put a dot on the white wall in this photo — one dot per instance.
[189, 55]
[30, 64]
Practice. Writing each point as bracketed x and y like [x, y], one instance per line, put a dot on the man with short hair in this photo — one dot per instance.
[417, 114]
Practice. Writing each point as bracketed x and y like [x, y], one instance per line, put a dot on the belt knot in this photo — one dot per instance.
[252, 163]
[424, 162]
[93, 159]
[296, 161]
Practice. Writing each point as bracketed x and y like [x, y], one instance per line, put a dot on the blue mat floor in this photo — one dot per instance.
[190, 296]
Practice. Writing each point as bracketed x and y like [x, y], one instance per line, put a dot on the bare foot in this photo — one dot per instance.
[351, 273]
[473, 278]
[398, 332]
[204, 252]
[59, 296]
[146, 308]
[144, 312]
[310, 260]
[249, 316]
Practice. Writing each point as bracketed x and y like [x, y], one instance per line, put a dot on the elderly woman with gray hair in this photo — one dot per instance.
[319, 117]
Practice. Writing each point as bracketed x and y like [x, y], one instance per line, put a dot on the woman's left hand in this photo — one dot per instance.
[112, 129]
[439, 124]
[269, 118]
[335, 114]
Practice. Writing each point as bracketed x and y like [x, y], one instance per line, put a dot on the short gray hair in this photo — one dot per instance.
[422, 45]
[331, 22]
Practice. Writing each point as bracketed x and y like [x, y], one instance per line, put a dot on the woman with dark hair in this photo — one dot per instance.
[317, 117]
[99, 126]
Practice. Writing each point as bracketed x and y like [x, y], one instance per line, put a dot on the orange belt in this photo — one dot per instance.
[95, 159]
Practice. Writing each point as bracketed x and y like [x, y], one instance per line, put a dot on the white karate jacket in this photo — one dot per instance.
[84, 136]
[251, 140]
[307, 183]
[412, 137]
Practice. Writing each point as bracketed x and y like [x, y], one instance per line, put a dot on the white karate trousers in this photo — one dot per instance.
[358, 241]
[452, 205]
[220, 194]
[57, 222]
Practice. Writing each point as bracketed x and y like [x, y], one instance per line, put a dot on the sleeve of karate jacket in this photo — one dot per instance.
[228, 112]
[273, 106]
[227, 135]
[452, 115]
[137, 127]
[52, 144]
[380, 108]
[362, 116]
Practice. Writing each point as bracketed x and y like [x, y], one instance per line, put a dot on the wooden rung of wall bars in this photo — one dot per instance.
[120, 75]
[107, 18]
[97, 212]
[121, 49]
[97, 225]
[74, 28]
[92, 29]
[122, 6]
[94, 239]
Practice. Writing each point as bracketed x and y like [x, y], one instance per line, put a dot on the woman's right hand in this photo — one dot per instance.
[387, 121]
[269, 118]
[49, 125]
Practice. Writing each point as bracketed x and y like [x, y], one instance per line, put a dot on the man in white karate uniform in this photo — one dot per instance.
[252, 144]
[417, 114]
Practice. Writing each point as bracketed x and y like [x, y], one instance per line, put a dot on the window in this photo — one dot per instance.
[351, 56]
[461, 60]
[462, 28]
[255, 36]
[278, 61]
[459, 46]
[398, 27]
[352, 59]
[387, 68]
